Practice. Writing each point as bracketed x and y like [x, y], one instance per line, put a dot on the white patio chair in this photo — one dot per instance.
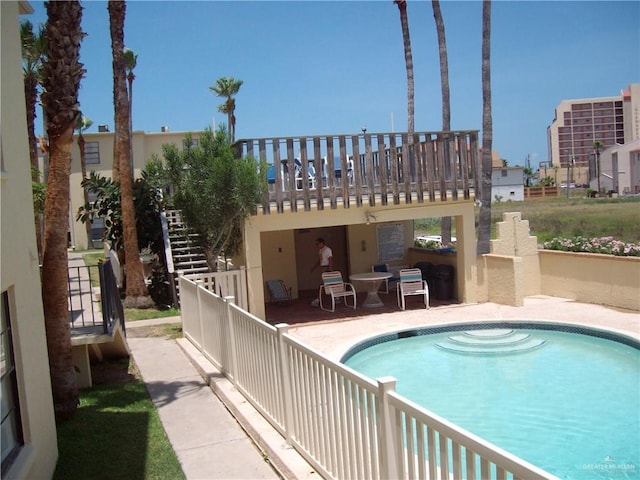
[311, 174]
[335, 287]
[411, 283]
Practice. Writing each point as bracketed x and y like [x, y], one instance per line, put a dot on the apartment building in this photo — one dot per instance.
[99, 159]
[579, 123]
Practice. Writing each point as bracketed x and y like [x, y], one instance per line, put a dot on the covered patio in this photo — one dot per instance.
[300, 311]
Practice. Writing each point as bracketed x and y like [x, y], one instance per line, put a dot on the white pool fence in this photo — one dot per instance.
[345, 425]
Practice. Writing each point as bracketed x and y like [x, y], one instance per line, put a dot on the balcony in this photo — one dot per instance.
[340, 171]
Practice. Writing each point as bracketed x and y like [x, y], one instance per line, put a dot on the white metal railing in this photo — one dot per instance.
[230, 283]
[345, 425]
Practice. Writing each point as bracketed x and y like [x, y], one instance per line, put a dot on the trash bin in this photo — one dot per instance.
[427, 269]
[443, 282]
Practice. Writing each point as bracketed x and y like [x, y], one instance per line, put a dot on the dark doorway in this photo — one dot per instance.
[307, 253]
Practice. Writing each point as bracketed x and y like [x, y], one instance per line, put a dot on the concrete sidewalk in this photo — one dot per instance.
[215, 435]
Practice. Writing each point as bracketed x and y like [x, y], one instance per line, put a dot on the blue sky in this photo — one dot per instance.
[329, 67]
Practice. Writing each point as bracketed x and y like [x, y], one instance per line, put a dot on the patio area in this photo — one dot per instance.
[333, 334]
[300, 310]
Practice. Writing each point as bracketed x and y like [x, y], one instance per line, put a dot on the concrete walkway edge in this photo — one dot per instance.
[283, 458]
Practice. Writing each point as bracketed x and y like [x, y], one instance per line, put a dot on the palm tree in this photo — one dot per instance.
[61, 74]
[34, 49]
[130, 62]
[484, 221]
[445, 222]
[137, 295]
[228, 87]
[408, 58]
[528, 175]
[83, 124]
[33, 52]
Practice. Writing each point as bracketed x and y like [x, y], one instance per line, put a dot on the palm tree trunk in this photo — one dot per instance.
[54, 278]
[445, 222]
[85, 192]
[484, 221]
[136, 292]
[62, 73]
[130, 78]
[408, 58]
[230, 121]
[31, 98]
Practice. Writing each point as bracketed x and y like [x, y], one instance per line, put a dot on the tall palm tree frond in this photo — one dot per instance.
[227, 87]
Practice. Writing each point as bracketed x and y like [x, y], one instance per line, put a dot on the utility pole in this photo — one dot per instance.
[598, 145]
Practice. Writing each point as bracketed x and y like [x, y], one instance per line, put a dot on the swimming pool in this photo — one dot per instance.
[564, 398]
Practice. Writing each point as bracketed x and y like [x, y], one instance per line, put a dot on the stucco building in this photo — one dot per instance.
[29, 445]
[620, 169]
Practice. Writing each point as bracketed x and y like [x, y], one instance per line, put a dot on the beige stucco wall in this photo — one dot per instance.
[279, 259]
[591, 278]
[516, 268]
[512, 270]
[505, 275]
[513, 239]
[20, 271]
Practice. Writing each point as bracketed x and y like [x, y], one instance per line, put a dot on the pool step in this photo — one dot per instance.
[491, 341]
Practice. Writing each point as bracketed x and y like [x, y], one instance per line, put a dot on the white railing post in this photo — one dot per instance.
[229, 365]
[242, 289]
[389, 461]
[285, 382]
[199, 289]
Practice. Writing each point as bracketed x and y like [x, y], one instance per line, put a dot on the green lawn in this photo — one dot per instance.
[587, 217]
[566, 218]
[116, 434]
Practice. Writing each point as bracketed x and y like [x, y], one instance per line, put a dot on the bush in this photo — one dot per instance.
[605, 245]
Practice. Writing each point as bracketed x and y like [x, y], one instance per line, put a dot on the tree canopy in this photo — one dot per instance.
[215, 191]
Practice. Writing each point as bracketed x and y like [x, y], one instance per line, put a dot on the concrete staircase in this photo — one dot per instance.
[182, 250]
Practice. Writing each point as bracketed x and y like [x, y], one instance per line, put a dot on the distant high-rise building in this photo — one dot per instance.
[578, 124]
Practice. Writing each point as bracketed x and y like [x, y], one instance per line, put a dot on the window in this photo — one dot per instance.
[91, 153]
[505, 173]
[11, 422]
[194, 143]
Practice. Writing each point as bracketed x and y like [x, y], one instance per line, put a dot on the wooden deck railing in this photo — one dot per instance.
[326, 171]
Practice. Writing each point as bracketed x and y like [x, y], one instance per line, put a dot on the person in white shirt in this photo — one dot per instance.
[325, 257]
[324, 261]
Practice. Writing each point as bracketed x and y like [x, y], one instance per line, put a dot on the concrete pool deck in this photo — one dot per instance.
[334, 338]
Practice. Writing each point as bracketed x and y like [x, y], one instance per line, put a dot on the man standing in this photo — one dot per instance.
[325, 257]
[324, 261]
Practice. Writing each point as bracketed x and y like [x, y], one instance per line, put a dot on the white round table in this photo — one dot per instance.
[373, 281]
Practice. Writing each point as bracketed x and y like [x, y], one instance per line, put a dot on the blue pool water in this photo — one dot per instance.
[564, 401]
